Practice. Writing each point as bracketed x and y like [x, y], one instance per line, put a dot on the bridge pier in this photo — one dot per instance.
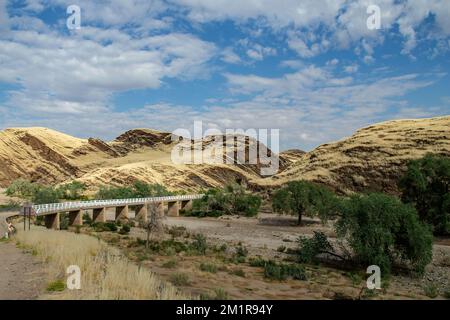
[141, 213]
[186, 205]
[76, 218]
[99, 215]
[121, 213]
[52, 221]
[160, 210]
[173, 209]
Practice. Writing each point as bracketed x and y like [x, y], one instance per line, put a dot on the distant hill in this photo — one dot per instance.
[372, 159]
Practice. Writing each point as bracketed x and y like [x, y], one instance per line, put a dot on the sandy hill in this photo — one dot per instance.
[372, 159]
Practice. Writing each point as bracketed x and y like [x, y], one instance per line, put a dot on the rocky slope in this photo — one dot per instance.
[372, 159]
[50, 157]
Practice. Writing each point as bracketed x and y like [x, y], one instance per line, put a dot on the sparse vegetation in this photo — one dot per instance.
[57, 285]
[106, 273]
[219, 294]
[180, 279]
[170, 264]
[431, 290]
[208, 267]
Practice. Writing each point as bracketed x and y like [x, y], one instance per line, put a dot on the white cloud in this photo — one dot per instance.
[229, 56]
[80, 69]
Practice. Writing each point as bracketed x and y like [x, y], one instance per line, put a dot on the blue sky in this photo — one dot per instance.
[312, 68]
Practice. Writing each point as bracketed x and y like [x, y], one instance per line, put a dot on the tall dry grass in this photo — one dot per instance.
[105, 272]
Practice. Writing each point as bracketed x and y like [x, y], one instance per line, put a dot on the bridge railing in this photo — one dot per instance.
[85, 205]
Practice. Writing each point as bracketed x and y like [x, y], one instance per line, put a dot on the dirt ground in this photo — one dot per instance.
[21, 276]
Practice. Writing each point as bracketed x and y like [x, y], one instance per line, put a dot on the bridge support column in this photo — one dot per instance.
[121, 213]
[52, 221]
[186, 205]
[99, 215]
[160, 209]
[173, 209]
[141, 213]
[76, 218]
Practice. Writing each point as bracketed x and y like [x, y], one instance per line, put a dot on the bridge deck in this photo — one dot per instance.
[45, 209]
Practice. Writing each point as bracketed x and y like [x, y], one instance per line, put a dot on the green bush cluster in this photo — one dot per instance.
[42, 194]
[232, 200]
[283, 271]
[426, 185]
[104, 226]
[139, 189]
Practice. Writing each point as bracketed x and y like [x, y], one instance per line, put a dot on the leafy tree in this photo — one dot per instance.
[45, 195]
[233, 199]
[138, 190]
[426, 185]
[73, 190]
[381, 230]
[310, 248]
[22, 188]
[304, 198]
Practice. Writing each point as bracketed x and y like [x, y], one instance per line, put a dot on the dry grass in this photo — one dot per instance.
[105, 273]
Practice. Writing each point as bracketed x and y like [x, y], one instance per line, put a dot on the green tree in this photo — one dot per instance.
[304, 198]
[426, 186]
[139, 189]
[22, 188]
[73, 190]
[46, 195]
[381, 230]
[232, 199]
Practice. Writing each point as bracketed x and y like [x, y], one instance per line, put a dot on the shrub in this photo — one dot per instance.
[200, 244]
[431, 290]
[208, 267]
[310, 248]
[104, 226]
[180, 279]
[381, 230]
[426, 184]
[257, 262]
[240, 254]
[57, 285]
[219, 294]
[125, 229]
[303, 198]
[238, 272]
[281, 271]
[170, 264]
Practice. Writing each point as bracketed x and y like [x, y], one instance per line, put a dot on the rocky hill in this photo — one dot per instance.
[51, 157]
[372, 159]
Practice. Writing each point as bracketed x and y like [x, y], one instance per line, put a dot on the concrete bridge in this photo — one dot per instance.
[170, 204]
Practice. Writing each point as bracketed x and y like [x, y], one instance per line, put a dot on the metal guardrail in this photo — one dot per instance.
[43, 209]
